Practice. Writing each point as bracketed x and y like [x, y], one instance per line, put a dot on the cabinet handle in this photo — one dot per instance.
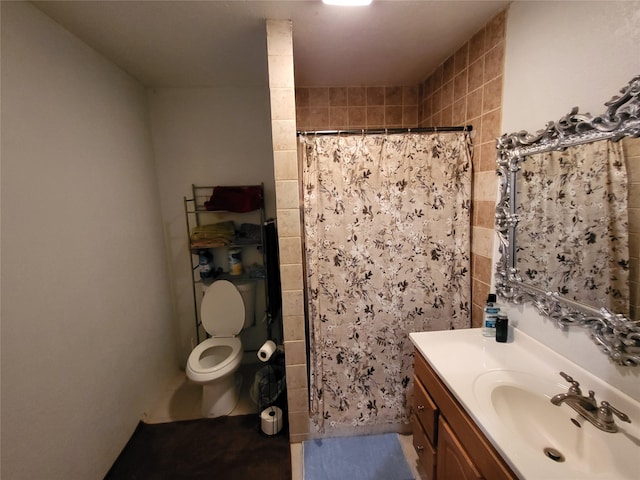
[419, 449]
[420, 408]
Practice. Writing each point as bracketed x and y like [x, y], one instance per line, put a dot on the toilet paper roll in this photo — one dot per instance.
[265, 352]
[271, 420]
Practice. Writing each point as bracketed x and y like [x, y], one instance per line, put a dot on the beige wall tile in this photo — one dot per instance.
[283, 105]
[295, 352]
[482, 241]
[287, 194]
[289, 223]
[283, 134]
[298, 400]
[296, 376]
[294, 327]
[290, 250]
[485, 186]
[291, 277]
[298, 423]
[285, 165]
[281, 71]
[279, 37]
[292, 303]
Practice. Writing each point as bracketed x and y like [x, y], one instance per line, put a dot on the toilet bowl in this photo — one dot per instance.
[214, 362]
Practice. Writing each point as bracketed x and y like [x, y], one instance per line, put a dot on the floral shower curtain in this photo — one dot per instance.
[574, 204]
[387, 246]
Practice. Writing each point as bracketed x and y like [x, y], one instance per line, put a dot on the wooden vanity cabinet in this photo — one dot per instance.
[450, 446]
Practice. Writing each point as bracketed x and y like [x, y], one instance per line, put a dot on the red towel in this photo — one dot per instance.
[235, 199]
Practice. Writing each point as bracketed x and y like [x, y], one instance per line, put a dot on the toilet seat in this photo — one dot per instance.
[223, 314]
[204, 373]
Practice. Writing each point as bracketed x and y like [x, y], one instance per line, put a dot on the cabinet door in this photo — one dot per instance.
[453, 461]
[424, 449]
[425, 410]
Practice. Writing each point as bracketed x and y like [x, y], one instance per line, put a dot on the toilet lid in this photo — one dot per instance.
[222, 309]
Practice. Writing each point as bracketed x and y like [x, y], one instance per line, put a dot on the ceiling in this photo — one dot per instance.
[215, 43]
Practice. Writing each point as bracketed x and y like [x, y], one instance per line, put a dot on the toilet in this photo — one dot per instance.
[225, 311]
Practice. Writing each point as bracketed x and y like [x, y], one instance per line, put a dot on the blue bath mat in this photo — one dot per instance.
[369, 457]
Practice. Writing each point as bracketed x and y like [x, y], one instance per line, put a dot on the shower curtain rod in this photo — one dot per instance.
[365, 131]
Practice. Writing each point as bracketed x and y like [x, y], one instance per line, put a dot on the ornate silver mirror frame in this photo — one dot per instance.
[618, 336]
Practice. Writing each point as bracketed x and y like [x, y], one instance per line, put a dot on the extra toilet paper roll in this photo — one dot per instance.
[265, 352]
[271, 420]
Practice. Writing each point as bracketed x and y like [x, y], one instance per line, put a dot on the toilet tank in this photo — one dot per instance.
[247, 290]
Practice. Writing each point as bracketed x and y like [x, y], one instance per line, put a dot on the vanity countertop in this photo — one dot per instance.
[506, 388]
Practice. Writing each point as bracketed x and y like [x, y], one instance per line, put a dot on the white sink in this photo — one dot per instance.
[506, 389]
[550, 433]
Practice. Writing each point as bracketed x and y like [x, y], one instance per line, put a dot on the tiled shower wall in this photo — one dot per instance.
[334, 108]
[466, 89]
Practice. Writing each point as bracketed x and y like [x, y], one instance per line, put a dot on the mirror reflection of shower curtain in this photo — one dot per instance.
[387, 251]
[573, 231]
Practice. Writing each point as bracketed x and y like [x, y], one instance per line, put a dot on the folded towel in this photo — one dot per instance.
[213, 235]
[249, 233]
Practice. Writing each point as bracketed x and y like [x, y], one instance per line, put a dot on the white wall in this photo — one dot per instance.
[560, 55]
[207, 136]
[87, 337]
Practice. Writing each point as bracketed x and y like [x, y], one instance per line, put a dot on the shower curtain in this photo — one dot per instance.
[387, 247]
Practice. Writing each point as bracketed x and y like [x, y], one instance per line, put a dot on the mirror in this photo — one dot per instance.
[562, 222]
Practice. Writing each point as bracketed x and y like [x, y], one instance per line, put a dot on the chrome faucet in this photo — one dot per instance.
[587, 407]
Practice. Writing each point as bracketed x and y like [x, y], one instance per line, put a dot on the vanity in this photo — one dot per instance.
[520, 410]
[482, 409]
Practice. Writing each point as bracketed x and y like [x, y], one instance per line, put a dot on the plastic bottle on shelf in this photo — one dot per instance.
[205, 264]
[490, 316]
